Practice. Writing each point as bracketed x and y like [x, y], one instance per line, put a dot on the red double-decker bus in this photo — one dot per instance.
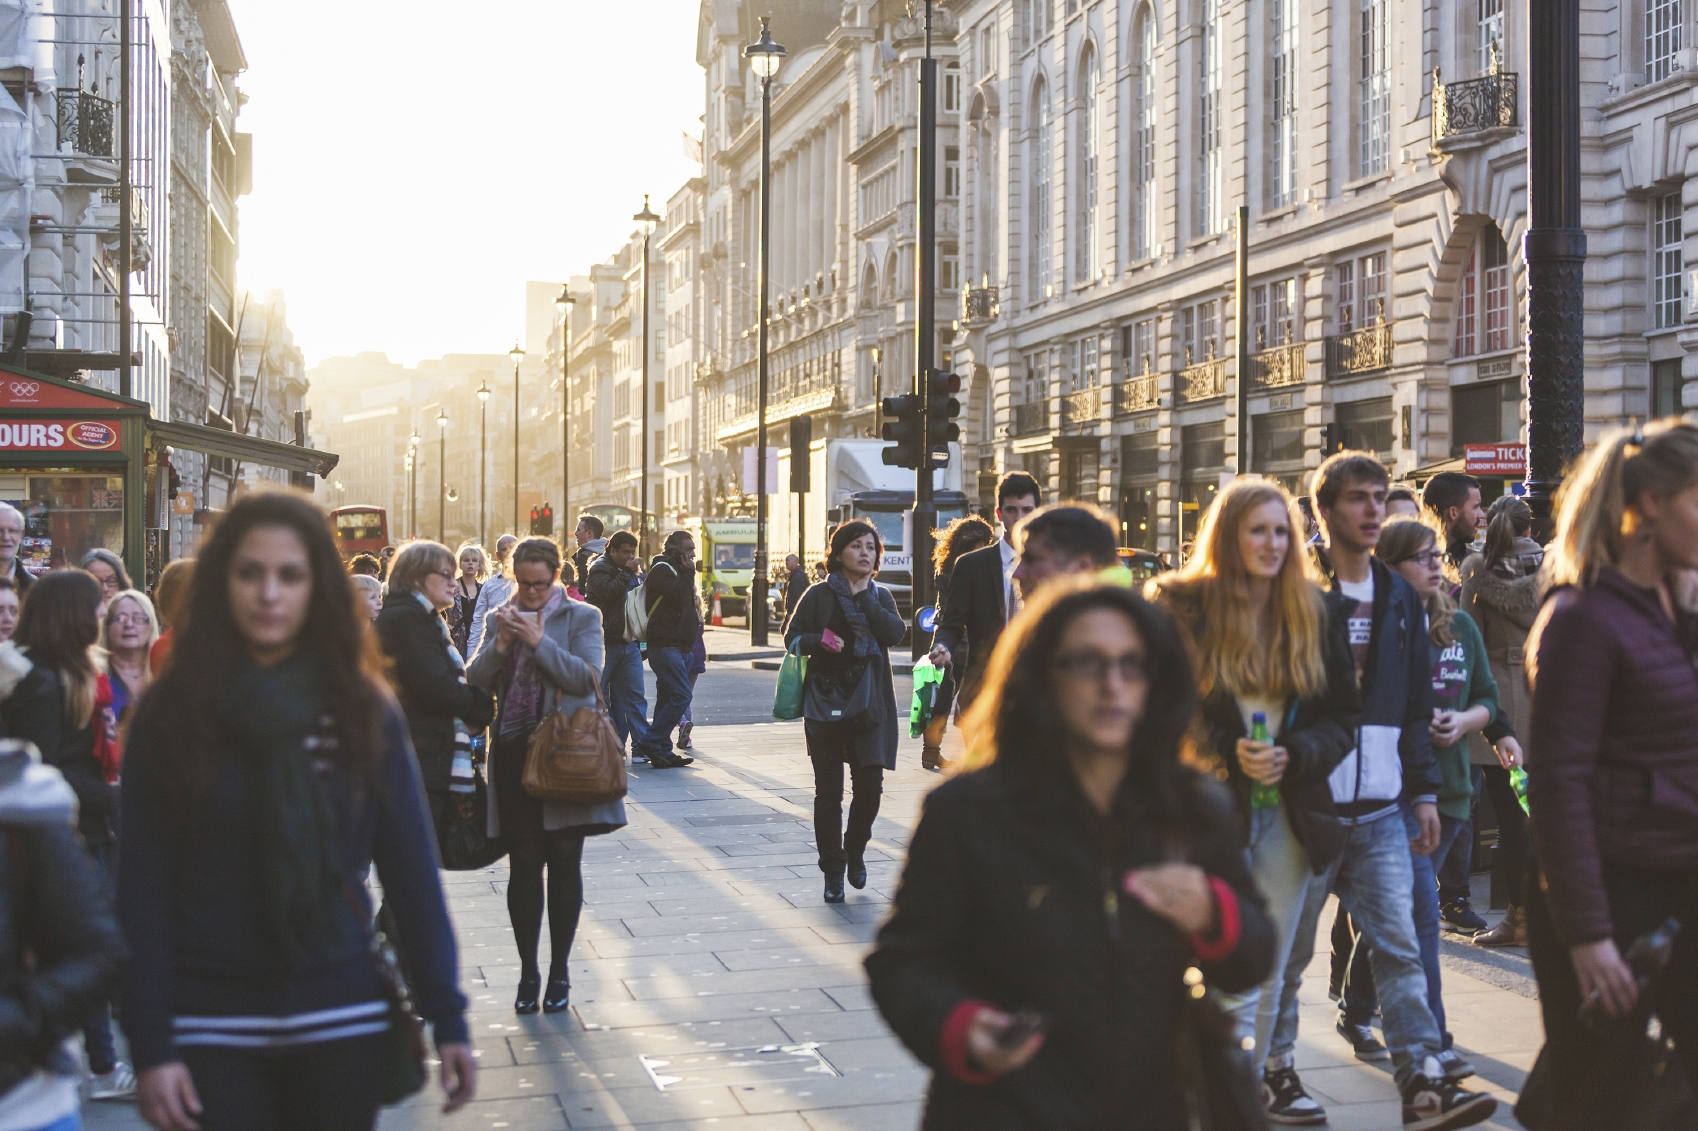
[360, 530]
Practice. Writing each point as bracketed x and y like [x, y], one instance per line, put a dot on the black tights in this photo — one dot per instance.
[563, 855]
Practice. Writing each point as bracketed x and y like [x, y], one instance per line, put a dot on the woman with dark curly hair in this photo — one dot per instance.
[1072, 876]
[962, 536]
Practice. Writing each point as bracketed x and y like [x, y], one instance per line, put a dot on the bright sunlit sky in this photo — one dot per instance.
[415, 163]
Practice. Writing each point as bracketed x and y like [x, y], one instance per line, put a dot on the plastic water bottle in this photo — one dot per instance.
[1261, 796]
[1518, 779]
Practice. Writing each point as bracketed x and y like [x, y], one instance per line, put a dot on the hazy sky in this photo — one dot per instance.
[415, 163]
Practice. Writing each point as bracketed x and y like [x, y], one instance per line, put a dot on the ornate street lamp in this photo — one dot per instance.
[517, 355]
[413, 487]
[646, 219]
[442, 475]
[565, 303]
[483, 458]
[765, 57]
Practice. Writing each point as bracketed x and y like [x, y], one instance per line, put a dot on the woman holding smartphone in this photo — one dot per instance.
[847, 627]
[1058, 891]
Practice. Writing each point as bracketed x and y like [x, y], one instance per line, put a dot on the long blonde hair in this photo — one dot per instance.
[1595, 507]
[483, 561]
[1400, 540]
[1215, 582]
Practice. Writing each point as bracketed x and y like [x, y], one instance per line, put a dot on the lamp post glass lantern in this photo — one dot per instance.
[765, 57]
[647, 220]
[565, 302]
[516, 355]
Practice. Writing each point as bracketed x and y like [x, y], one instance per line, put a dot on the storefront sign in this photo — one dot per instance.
[184, 503]
[58, 435]
[25, 392]
[1495, 459]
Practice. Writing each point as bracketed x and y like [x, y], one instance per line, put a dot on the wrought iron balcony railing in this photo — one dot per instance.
[1081, 407]
[1136, 394]
[1277, 367]
[85, 123]
[1031, 419]
[1363, 351]
[979, 305]
[1202, 381]
[1487, 103]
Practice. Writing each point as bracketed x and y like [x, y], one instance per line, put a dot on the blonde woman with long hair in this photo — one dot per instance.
[1614, 737]
[474, 571]
[1269, 646]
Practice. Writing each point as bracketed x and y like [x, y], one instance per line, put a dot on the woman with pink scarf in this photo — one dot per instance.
[542, 656]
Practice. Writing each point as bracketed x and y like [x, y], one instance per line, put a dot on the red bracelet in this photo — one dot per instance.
[1228, 925]
[952, 1044]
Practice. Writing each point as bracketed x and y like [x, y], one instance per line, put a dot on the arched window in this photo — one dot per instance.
[1040, 154]
[1210, 205]
[869, 287]
[1086, 259]
[1144, 137]
[890, 277]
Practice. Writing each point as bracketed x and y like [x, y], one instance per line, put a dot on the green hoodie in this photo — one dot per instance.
[1461, 679]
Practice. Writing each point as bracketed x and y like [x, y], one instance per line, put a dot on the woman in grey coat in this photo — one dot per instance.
[847, 625]
[541, 653]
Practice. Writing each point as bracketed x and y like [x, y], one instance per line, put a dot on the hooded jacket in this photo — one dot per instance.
[1504, 605]
[581, 560]
[675, 616]
[606, 587]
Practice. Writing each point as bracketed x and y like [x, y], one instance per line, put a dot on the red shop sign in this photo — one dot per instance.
[58, 435]
[1495, 459]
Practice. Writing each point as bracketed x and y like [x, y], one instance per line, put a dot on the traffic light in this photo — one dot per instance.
[903, 429]
[1330, 441]
[941, 429]
[545, 521]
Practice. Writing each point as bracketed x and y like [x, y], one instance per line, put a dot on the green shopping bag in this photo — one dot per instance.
[928, 680]
[787, 696]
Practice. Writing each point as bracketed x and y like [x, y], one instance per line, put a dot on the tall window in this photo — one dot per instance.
[1141, 359]
[1038, 17]
[1085, 260]
[1042, 151]
[987, 50]
[1485, 322]
[1082, 364]
[1144, 140]
[1037, 377]
[949, 266]
[1490, 34]
[1199, 332]
[1274, 320]
[1375, 105]
[1662, 38]
[1283, 103]
[951, 171]
[1210, 208]
[952, 86]
[1665, 260]
[1361, 297]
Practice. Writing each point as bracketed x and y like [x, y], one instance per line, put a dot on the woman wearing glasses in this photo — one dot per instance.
[127, 632]
[1057, 893]
[429, 675]
[542, 653]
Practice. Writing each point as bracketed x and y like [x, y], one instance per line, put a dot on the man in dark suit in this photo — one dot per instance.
[981, 591]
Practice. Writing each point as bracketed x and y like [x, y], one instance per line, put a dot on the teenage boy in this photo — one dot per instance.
[1385, 792]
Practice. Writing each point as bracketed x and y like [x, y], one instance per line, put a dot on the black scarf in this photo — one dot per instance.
[866, 644]
[277, 718]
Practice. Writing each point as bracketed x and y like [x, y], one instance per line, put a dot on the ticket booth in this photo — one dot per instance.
[90, 469]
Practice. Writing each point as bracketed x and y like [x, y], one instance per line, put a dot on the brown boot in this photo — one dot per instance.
[931, 757]
[1510, 931]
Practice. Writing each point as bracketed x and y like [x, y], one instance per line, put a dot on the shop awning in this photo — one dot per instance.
[248, 449]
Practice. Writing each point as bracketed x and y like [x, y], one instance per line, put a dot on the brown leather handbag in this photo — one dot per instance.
[577, 759]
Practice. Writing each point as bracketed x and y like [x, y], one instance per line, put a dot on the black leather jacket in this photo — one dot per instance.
[60, 951]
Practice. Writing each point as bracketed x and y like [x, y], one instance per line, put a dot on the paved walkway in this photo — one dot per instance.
[706, 957]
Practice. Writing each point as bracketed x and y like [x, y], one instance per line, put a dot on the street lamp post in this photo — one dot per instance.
[442, 475]
[764, 58]
[483, 460]
[408, 469]
[647, 219]
[413, 487]
[565, 302]
[517, 355]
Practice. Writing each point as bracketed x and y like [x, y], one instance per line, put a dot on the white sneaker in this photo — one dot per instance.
[118, 1084]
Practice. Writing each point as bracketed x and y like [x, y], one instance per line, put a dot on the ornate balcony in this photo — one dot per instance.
[85, 123]
[1475, 105]
[1202, 381]
[1081, 407]
[1364, 351]
[1278, 367]
[1136, 394]
[979, 305]
[1031, 419]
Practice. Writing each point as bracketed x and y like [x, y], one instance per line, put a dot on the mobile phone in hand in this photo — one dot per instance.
[831, 640]
[1021, 1029]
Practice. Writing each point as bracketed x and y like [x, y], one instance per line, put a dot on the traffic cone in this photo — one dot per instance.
[718, 621]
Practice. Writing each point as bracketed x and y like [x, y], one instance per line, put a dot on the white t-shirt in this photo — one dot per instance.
[1361, 620]
[1010, 602]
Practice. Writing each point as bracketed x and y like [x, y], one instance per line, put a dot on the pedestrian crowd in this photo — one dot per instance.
[1106, 910]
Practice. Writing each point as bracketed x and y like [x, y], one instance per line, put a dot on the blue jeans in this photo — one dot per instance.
[622, 681]
[1374, 879]
[671, 697]
[1359, 998]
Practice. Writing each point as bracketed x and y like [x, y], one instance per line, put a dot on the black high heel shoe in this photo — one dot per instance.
[526, 999]
[834, 886]
[558, 995]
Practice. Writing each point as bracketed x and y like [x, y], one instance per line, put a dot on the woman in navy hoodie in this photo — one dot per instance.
[266, 770]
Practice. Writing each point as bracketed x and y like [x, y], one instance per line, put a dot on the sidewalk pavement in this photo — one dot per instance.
[713, 990]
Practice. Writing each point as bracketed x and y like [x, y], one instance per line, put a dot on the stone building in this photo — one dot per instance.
[271, 383]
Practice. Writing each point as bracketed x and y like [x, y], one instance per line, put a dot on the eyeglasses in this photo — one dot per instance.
[535, 585]
[1092, 667]
[129, 620]
[1428, 558]
[448, 573]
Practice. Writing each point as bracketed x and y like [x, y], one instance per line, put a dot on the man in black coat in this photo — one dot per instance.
[981, 590]
[675, 620]
[795, 584]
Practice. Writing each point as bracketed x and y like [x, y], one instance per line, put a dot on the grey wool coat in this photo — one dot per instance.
[569, 657]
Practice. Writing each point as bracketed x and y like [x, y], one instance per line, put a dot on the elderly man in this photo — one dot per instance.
[11, 537]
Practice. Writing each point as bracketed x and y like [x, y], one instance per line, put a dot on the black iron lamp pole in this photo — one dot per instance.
[483, 461]
[565, 302]
[647, 219]
[765, 57]
[413, 487]
[442, 476]
[1555, 250]
[516, 355]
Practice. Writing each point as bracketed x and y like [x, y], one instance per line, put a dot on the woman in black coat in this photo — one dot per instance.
[847, 626]
[429, 674]
[1077, 872]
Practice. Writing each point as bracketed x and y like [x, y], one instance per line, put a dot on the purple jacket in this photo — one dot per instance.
[1612, 769]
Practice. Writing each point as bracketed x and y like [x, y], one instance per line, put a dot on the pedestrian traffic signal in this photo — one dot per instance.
[903, 429]
[542, 520]
[941, 411]
[1329, 440]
